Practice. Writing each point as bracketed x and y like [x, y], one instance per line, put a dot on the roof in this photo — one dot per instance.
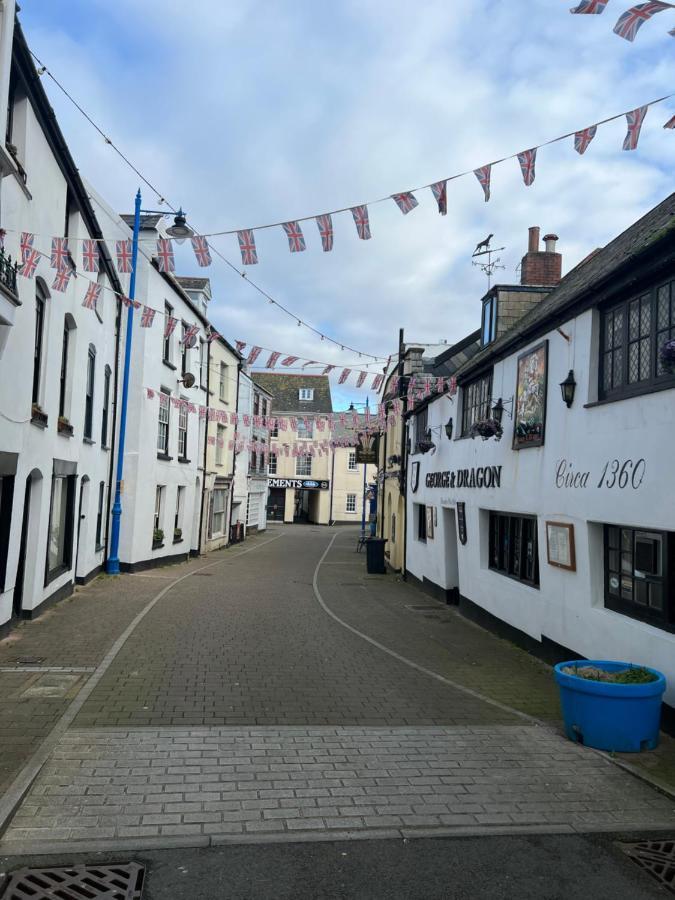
[348, 429]
[591, 281]
[284, 388]
[194, 284]
[450, 361]
[148, 220]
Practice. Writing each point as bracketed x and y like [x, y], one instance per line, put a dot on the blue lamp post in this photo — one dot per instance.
[180, 230]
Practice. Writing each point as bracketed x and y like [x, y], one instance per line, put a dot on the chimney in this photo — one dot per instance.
[413, 362]
[541, 267]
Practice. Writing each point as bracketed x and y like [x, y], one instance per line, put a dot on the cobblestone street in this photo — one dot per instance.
[277, 692]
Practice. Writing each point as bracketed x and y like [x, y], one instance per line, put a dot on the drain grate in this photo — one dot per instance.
[655, 857]
[123, 882]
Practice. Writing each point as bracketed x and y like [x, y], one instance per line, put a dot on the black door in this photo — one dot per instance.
[21, 568]
[276, 501]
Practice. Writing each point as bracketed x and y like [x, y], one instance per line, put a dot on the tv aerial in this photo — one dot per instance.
[487, 266]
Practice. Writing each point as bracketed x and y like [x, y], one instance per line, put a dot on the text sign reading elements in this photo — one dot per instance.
[478, 477]
[310, 484]
[616, 473]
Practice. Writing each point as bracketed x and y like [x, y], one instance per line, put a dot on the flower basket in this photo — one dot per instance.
[611, 705]
[38, 415]
[177, 535]
[157, 538]
[486, 429]
[63, 426]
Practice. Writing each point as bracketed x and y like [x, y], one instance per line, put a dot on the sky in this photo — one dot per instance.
[260, 111]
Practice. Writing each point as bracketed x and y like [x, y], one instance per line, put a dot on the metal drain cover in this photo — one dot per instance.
[655, 857]
[123, 882]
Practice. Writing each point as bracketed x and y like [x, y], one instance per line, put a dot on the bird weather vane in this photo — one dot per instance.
[488, 266]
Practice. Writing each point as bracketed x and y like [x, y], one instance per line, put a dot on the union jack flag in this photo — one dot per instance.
[148, 317]
[165, 258]
[127, 302]
[344, 375]
[190, 332]
[212, 335]
[452, 386]
[293, 422]
[590, 7]
[211, 440]
[583, 138]
[630, 22]
[60, 258]
[325, 225]
[483, 176]
[360, 214]
[440, 192]
[249, 255]
[26, 243]
[273, 360]
[90, 255]
[123, 253]
[634, 120]
[361, 379]
[169, 325]
[201, 247]
[239, 345]
[309, 362]
[440, 385]
[62, 279]
[91, 296]
[31, 258]
[150, 393]
[296, 239]
[670, 123]
[253, 355]
[527, 160]
[377, 382]
[406, 202]
[328, 370]
[289, 360]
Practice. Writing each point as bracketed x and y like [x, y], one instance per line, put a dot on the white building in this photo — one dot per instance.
[249, 501]
[563, 532]
[58, 369]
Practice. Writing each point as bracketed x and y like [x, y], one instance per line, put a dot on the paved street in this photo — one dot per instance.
[276, 692]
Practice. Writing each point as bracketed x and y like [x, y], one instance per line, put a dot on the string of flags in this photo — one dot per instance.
[277, 357]
[630, 22]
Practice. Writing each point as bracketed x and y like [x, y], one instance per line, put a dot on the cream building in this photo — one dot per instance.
[347, 480]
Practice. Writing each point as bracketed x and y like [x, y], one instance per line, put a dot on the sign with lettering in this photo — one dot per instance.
[477, 477]
[616, 473]
[307, 484]
[366, 449]
[461, 522]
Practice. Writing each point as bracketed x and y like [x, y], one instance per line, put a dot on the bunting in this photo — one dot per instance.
[406, 202]
[212, 335]
[274, 358]
[249, 255]
[253, 355]
[583, 138]
[325, 226]
[26, 243]
[190, 332]
[89, 255]
[361, 379]
[670, 123]
[630, 22]
[91, 296]
[527, 160]
[483, 176]
[165, 260]
[62, 279]
[201, 248]
[169, 325]
[344, 375]
[239, 345]
[59, 259]
[328, 370]
[31, 258]
[148, 317]
[590, 7]
[360, 214]
[124, 256]
[289, 360]
[634, 121]
[296, 239]
[377, 382]
[440, 192]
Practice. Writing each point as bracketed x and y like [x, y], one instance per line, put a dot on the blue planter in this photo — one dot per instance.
[609, 716]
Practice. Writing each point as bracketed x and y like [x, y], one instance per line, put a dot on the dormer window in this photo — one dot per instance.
[306, 394]
[488, 330]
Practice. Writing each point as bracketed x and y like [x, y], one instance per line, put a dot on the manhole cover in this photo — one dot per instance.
[655, 857]
[52, 684]
[123, 882]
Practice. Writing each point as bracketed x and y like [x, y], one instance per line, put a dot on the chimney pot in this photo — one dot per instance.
[550, 241]
[533, 242]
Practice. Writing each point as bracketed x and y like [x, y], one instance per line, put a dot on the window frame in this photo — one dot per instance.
[180, 503]
[184, 360]
[40, 310]
[306, 459]
[489, 319]
[163, 449]
[63, 378]
[183, 429]
[272, 469]
[421, 522]
[105, 410]
[476, 399]
[66, 562]
[167, 344]
[421, 426]
[218, 492]
[308, 433]
[305, 394]
[220, 444]
[99, 516]
[159, 504]
[89, 394]
[507, 537]
[222, 383]
[203, 363]
[349, 497]
[352, 465]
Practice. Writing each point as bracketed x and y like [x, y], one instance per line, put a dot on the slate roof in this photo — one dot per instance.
[193, 284]
[148, 220]
[653, 233]
[348, 430]
[284, 389]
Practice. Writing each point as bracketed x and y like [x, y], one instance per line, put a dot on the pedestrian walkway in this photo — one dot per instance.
[277, 692]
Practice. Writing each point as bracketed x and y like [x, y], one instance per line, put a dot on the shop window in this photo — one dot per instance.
[60, 534]
[476, 402]
[513, 547]
[638, 573]
[303, 465]
[421, 513]
[351, 503]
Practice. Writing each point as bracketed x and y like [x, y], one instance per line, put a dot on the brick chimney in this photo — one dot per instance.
[541, 267]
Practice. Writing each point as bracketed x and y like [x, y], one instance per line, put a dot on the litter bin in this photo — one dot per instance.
[375, 556]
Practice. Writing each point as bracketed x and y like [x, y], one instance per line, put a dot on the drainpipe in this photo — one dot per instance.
[332, 485]
[206, 442]
[380, 494]
[403, 482]
[111, 475]
[234, 461]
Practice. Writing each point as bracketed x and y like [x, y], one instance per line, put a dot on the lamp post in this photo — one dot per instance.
[178, 230]
[363, 505]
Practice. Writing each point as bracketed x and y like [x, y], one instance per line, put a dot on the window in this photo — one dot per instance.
[220, 444]
[99, 514]
[488, 331]
[421, 522]
[632, 334]
[40, 298]
[166, 351]
[60, 538]
[351, 503]
[178, 518]
[272, 464]
[305, 429]
[159, 503]
[351, 465]
[253, 458]
[182, 429]
[476, 402]
[163, 427]
[203, 364]
[89, 395]
[274, 429]
[64, 369]
[256, 403]
[421, 426]
[184, 347]
[637, 565]
[222, 385]
[303, 465]
[106, 406]
[218, 513]
[513, 547]
[306, 394]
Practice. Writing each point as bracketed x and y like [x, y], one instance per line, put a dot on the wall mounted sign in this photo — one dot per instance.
[478, 477]
[366, 449]
[430, 522]
[308, 484]
[621, 474]
[461, 522]
[530, 405]
[560, 545]
[415, 477]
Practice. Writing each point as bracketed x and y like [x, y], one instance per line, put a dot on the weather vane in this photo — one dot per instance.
[487, 266]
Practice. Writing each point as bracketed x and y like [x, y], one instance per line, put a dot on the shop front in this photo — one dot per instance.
[298, 500]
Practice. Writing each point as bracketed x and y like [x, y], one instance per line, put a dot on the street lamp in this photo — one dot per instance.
[179, 231]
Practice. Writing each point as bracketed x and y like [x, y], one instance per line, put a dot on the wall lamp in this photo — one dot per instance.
[448, 428]
[568, 386]
[499, 407]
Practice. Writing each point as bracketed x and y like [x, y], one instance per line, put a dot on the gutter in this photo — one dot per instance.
[332, 487]
[206, 443]
[403, 477]
[234, 461]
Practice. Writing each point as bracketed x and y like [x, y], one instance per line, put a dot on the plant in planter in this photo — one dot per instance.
[177, 535]
[38, 415]
[486, 429]
[63, 426]
[157, 537]
[667, 356]
[611, 705]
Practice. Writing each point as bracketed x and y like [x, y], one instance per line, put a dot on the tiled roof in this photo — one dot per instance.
[148, 220]
[285, 388]
[193, 284]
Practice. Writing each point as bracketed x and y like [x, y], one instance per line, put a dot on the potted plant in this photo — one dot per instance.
[157, 538]
[177, 535]
[63, 426]
[667, 356]
[38, 415]
[486, 429]
[611, 705]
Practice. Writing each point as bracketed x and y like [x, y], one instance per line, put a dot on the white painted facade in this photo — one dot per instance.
[625, 447]
[249, 503]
